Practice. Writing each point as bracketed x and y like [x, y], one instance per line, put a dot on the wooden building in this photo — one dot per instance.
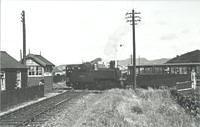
[39, 71]
[13, 74]
[13, 82]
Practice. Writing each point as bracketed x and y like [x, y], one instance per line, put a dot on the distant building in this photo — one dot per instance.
[59, 74]
[59, 70]
[13, 74]
[39, 71]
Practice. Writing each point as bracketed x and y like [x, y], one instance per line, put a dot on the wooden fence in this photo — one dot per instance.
[186, 85]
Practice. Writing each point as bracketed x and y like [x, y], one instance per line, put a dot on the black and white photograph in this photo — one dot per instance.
[100, 63]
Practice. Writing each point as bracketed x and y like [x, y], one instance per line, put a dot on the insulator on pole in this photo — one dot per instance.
[128, 20]
[128, 13]
[137, 20]
[137, 13]
[138, 17]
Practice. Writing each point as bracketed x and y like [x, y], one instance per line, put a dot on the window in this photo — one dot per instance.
[129, 72]
[49, 68]
[142, 70]
[183, 70]
[39, 70]
[3, 80]
[175, 70]
[198, 69]
[148, 70]
[158, 70]
[35, 71]
[18, 82]
[137, 71]
[167, 70]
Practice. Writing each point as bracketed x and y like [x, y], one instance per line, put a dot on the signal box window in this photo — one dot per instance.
[3, 80]
[35, 71]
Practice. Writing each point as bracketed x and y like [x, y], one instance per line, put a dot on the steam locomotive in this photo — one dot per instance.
[89, 76]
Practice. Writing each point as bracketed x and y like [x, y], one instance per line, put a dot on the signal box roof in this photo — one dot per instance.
[40, 60]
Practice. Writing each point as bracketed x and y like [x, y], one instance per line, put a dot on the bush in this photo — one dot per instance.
[190, 101]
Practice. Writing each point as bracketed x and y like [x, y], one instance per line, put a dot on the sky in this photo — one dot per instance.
[68, 32]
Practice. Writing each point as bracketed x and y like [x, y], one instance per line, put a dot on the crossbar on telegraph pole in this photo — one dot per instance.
[132, 16]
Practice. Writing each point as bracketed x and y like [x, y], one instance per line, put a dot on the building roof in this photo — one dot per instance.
[40, 60]
[190, 57]
[7, 61]
[167, 64]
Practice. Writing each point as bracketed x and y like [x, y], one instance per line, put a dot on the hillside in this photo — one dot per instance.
[143, 61]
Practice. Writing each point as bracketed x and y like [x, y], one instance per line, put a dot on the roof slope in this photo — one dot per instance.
[7, 61]
[40, 59]
[190, 57]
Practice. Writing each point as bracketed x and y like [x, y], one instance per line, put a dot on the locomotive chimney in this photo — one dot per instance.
[24, 34]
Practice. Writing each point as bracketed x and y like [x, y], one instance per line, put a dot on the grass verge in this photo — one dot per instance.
[140, 108]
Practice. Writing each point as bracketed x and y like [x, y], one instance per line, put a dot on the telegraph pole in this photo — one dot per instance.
[24, 34]
[133, 20]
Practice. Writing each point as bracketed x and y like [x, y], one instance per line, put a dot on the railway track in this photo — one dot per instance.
[37, 113]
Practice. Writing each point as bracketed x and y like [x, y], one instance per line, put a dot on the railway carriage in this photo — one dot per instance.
[171, 73]
[164, 74]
